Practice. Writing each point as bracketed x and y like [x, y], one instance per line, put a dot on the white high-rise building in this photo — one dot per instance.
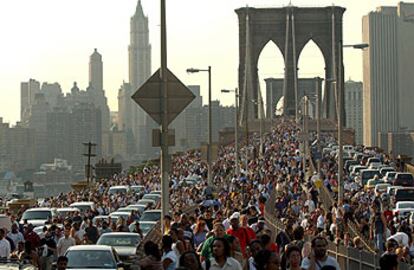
[388, 71]
[353, 108]
[139, 52]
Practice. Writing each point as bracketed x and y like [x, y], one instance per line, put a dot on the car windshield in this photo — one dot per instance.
[151, 216]
[117, 190]
[406, 205]
[90, 259]
[119, 240]
[31, 215]
[83, 208]
[404, 194]
[146, 227]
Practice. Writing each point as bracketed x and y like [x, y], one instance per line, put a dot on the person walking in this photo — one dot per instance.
[318, 257]
[65, 242]
[221, 259]
[5, 248]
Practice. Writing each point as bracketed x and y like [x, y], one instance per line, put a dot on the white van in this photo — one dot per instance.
[118, 189]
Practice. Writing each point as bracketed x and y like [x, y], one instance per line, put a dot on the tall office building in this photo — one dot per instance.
[96, 70]
[38, 122]
[95, 88]
[353, 108]
[388, 71]
[28, 91]
[131, 116]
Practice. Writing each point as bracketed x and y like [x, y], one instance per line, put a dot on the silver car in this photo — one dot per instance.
[93, 257]
[125, 244]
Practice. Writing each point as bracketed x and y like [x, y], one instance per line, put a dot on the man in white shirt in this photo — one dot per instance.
[4, 246]
[15, 235]
[318, 257]
[65, 242]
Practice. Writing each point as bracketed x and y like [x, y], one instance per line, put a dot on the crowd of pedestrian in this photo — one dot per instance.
[228, 229]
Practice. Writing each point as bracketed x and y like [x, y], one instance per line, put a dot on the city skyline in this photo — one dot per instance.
[59, 52]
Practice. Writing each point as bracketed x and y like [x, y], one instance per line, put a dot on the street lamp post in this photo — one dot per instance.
[236, 128]
[209, 151]
[260, 104]
[339, 92]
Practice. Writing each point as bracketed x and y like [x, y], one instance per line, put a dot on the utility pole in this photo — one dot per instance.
[210, 141]
[305, 131]
[89, 154]
[236, 131]
[340, 126]
[165, 162]
[318, 81]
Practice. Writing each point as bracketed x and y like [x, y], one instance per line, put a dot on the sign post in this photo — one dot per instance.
[163, 97]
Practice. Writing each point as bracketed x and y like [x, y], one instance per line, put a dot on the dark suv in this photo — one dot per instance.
[404, 180]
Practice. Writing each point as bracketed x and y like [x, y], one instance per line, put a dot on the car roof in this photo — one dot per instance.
[120, 234]
[147, 222]
[67, 209]
[91, 247]
[83, 203]
[119, 187]
[118, 214]
[39, 209]
[153, 211]
[404, 202]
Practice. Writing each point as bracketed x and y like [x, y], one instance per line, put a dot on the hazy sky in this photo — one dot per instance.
[51, 40]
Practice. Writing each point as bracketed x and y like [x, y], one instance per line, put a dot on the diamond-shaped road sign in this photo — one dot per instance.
[149, 95]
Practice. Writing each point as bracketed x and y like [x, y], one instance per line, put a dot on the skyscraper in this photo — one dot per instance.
[95, 89]
[353, 108]
[388, 70]
[139, 52]
[28, 91]
[139, 49]
[96, 70]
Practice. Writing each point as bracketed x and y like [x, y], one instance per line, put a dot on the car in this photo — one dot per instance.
[373, 160]
[375, 165]
[67, 212]
[93, 257]
[116, 215]
[391, 190]
[39, 229]
[147, 202]
[367, 174]
[404, 179]
[389, 177]
[84, 206]
[137, 188]
[356, 169]
[139, 207]
[348, 148]
[126, 210]
[404, 194]
[403, 208]
[124, 243]
[146, 226]
[349, 163]
[151, 215]
[381, 188]
[118, 190]
[384, 170]
[100, 219]
[155, 197]
[372, 183]
[156, 192]
[38, 216]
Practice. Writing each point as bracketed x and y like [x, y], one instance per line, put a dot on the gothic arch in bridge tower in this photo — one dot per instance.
[290, 28]
[270, 68]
